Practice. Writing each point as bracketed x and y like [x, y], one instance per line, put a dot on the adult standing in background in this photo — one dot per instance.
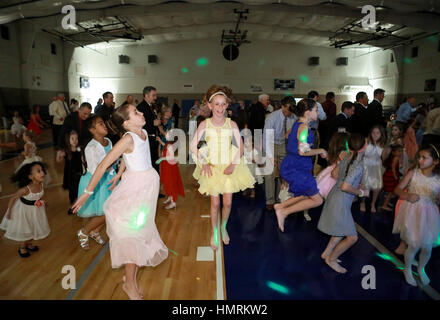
[359, 120]
[106, 109]
[280, 121]
[60, 112]
[151, 121]
[55, 130]
[375, 110]
[403, 114]
[76, 121]
[329, 107]
[176, 113]
[258, 113]
[129, 100]
[98, 105]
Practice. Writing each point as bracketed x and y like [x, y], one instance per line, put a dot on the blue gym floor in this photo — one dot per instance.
[261, 262]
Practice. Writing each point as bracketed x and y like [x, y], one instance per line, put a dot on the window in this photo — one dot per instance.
[392, 57]
[4, 30]
[53, 48]
[414, 52]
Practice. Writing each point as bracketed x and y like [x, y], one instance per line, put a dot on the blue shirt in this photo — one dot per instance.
[275, 121]
[404, 112]
[321, 116]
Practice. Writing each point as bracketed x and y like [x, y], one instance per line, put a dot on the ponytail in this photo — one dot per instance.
[116, 122]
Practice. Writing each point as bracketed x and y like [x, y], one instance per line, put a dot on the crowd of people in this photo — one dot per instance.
[115, 159]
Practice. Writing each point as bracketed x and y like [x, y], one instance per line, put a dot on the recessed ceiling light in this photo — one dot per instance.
[56, 4]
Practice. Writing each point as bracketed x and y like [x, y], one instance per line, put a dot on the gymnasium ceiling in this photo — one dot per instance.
[311, 22]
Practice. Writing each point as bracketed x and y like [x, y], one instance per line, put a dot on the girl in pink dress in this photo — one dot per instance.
[131, 208]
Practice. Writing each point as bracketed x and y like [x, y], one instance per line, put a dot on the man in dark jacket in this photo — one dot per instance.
[360, 123]
[176, 113]
[375, 110]
[76, 121]
[258, 113]
[341, 121]
[151, 122]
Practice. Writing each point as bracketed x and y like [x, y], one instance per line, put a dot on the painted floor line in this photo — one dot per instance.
[430, 291]
[89, 270]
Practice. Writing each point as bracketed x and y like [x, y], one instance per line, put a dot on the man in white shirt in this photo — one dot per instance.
[60, 112]
[51, 114]
[279, 122]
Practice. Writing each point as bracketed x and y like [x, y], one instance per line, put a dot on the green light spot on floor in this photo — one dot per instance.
[407, 60]
[184, 70]
[304, 78]
[201, 62]
[278, 287]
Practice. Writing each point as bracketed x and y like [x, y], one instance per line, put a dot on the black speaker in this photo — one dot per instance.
[342, 61]
[313, 61]
[230, 52]
[152, 59]
[124, 59]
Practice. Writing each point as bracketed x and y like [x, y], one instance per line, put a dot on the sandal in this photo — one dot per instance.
[83, 240]
[97, 237]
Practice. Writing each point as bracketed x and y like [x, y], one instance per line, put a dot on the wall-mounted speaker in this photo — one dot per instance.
[342, 61]
[152, 59]
[124, 59]
[313, 61]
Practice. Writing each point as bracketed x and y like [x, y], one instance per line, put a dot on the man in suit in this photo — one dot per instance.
[375, 110]
[151, 122]
[258, 115]
[176, 113]
[106, 109]
[76, 121]
[359, 120]
[341, 121]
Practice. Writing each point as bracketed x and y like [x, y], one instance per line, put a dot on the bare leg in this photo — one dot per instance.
[343, 246]
[304, 204]
[401, 248]
[226, 211]
[215, 207]
[410, 254]
[289, 202]
[424, 256]
[374, 200]
[330, 247]
[139, 290]
[385, 203]
[362, 205]
[94, 224]
[130, 285]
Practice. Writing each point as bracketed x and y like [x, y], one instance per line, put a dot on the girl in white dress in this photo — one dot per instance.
[130, 210]
[418, 219]
[25, 220]
[373, 169]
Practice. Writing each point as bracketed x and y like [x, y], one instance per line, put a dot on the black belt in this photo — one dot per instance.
[28, 202]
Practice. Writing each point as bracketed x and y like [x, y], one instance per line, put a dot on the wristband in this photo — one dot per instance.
[362, 193]
[88, 192]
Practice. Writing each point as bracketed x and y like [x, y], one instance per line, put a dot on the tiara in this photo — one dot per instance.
[217, 93]
[435, 149]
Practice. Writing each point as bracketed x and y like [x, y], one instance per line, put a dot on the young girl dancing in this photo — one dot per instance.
[170, 173]
[17, 127]
[25, 220]
[372, 178]
[223, 171]
[336, 219]
[35, 122]
[391, 176]
[296, 167]
[418, 219]
[95, 152]
[73, 166]
[131, 208]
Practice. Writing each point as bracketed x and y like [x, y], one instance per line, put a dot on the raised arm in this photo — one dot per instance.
[124, 145]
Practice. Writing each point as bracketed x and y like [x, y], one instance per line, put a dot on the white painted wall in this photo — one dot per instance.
[425, 66]
[259, 63]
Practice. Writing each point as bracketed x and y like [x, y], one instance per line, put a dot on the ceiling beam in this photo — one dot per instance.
[426, 21]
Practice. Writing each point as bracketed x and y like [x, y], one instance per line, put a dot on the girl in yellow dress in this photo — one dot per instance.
[220, 169]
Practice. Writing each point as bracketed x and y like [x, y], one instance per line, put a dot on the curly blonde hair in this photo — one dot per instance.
[216, 88]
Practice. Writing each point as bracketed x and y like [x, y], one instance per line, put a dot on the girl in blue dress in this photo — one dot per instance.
[95, 152]
[297, 166]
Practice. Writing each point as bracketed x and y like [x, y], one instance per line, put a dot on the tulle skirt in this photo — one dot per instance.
[372, 178]
[418, 223]
[28, 222]
[94, 204]
[130, 213]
